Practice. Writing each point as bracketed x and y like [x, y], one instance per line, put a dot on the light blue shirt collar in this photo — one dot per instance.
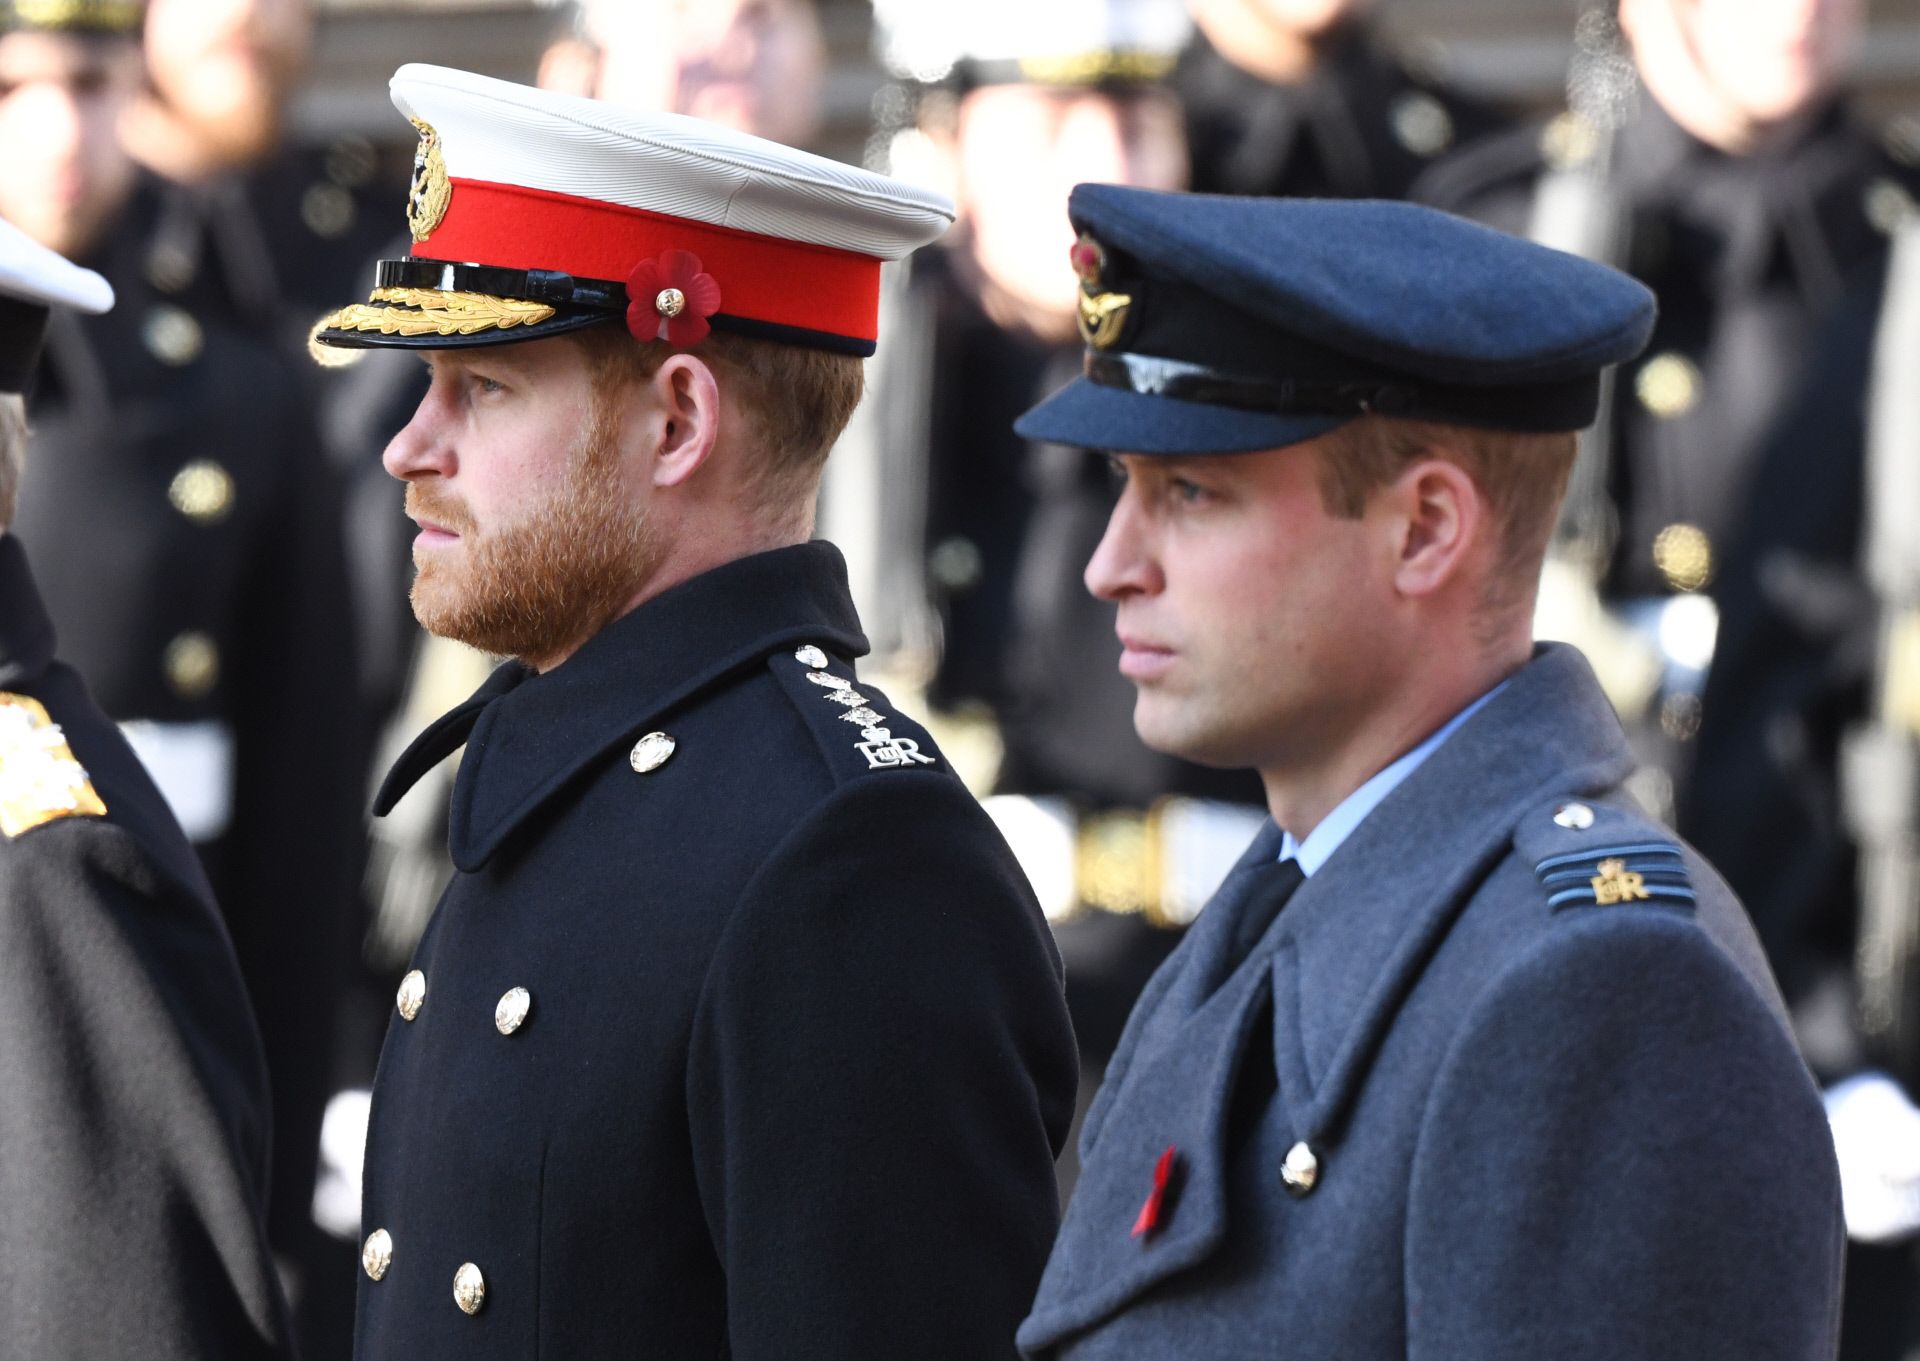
[1338, 825]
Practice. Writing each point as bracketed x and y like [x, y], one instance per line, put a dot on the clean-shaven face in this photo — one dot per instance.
[63, 172]
[1249, 615]
[533, 535]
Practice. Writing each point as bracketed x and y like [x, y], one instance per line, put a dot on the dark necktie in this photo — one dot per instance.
[1272, 885]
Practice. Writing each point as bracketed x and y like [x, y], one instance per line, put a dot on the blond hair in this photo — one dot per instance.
[1522, 476]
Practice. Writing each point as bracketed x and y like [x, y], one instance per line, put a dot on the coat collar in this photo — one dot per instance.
[528, 735]
[26, 633]
[1354, 938]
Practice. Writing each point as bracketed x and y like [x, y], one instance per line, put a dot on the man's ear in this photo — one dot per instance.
[687, 417]
[1440, 518]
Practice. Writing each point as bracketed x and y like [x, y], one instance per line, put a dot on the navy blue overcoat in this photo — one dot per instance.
[738, 1033]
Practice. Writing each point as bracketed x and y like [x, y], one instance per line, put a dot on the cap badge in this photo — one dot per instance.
[432, 191]
[670, 299]
[1103, 313]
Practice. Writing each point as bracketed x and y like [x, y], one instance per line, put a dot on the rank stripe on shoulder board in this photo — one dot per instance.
[1606, 876]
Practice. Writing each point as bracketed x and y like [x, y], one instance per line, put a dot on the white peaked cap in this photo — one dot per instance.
[496, 131]
[31, 273]
[534, 212]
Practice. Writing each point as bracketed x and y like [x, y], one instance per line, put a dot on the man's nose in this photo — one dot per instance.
[1123, 565]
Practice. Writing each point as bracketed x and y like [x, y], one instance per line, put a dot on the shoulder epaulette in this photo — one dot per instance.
[855, 732]
[40, 781]
[1598, 855]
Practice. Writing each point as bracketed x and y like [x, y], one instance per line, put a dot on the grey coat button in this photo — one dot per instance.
[1575, 817]
[1300, 1173]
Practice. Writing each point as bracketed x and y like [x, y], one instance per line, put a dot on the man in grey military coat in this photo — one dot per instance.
[1469, 1057]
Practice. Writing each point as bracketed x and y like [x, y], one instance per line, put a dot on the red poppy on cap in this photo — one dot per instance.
[671, 299]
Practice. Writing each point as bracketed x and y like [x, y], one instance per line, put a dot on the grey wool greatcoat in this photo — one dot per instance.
[1542, 1071]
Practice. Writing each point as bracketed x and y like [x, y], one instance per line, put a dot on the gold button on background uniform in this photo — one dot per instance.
[510, 1013]
[1668, 385]
[192, 665]
[469, 1288]
[377, 1255]
[651, 752]
[412, 995]
[173, 336]
[1421, 123]
[1684, 555]
[202, 491]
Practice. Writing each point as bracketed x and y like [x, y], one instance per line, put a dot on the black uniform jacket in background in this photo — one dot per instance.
[1532, 1046]
[795, 1061]
[186, 532]
[133, 1104]
[1749, 257]
[1364, 124]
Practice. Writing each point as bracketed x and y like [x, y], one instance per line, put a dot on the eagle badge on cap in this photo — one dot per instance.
[432, 191]
[1103, 313]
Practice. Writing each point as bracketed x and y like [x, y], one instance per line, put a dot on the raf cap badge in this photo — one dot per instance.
[432, 191]
[40, 781]
[1103, 312]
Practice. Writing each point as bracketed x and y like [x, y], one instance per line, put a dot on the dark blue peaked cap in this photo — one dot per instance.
[1224, 325]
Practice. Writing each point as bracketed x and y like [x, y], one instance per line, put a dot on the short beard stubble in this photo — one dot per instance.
[540, 587]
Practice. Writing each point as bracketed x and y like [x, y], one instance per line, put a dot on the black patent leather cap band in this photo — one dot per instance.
[1545, 408]
[581, 302]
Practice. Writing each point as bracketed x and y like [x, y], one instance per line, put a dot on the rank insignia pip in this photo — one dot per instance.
[40, 781]
[882, 749]
[1608, 876]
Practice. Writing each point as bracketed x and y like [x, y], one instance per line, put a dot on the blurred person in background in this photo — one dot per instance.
[187, 537]
[1017, 106]
[132, 1200]
[267, 223]
[1710, 557]
[752, 65]
[1308, 97]
[1718, 160]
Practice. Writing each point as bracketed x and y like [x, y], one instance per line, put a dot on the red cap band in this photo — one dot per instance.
[761, 278]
